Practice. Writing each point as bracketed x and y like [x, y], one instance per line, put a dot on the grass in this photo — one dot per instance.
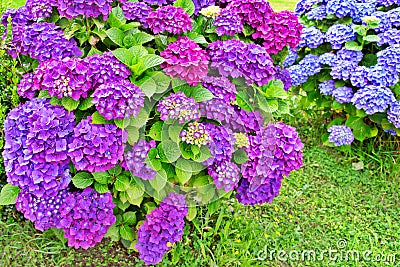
[279, 5]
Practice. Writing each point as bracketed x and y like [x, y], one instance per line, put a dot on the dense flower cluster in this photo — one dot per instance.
[225, 175]
[22, 151]
[118, 100]
[237, 59]
[394, 114]
[96, 147]
[284, 76]
[340, 135]
[252, 12]
[306, 68]
[40, 8]
[186, 60]
[135, 160]
[88, 8]
[178, 107]
[220, 87]
[43, 211]
[68, 77]
[162, 227]
[137, 11]
[26, 88]
[339, 34]
[221, 145]
[85, 217]
[228, 22]
[170, 19]
[196, 134]
[327, 87]
[373, 99]
[311, 37]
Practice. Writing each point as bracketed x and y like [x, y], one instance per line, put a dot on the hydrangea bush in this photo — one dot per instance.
[348, 62]
[136, 113]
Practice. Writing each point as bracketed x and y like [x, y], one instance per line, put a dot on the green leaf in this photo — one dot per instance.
[174, 132]
[267, 105]
[192, 212]
[135, 192]
[116, 35]
[122, 183]
[117, 170]
[124, 55]
[93, 51]
[201, 94]
[148, 86]
[86, 103]
[129, 217]
[275, 89]
[159, 181]
[243, 101]
[187, 5]
[197, 38]
[152, 60]
[240, 156]
[130, 26]
[113, 233]
[101, 188]
[126, 232]
[142, 38]
[9, 194]
[98, 119]
[372, 38]
[336, 105]
[123, 123]
[69, 104]
[118, 13]
[82, 180]
[101, 177]
[155, 131]
[161, 80]
[141, 119]
[133, 135]
[59, 233]
[137, 52]
[171, 150]
[136, 201]
[44, 94]
[353, 45]
[361, 130]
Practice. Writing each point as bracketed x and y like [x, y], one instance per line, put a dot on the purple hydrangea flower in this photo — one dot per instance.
[221, 145]
[186, 60]
[393, 114]
[135, 160]
[340, 135]
[339, 34]
[237, 59]
[43, 211]
[118, 100]
[43, 41]
[21, 167]
[311, 37]
[220, 87]
[86, 217]
[106, 68]
[178, 107]
[69, 77]
[343, 69]
[96, 147]
[327, 87]
[228, 22]
[252, 12]
[19, 17]
[225, 175]
[170, 19]
[373, 99]
[341, 8]
[284, 76]
[200, 4]
[281, 30]
[162, 227]
[329, 59]
[343, 94]
[350, 55]
[252, 121]
[26, 87]
[88, 8]
[196, 134]
[40, 8]
[137, 11]
[260, 195]
[359, 76]
[156, 2]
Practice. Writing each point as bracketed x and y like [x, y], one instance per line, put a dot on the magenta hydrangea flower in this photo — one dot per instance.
[186, 60]
[135, 160]
[162, 227]
[118, 100]
[85, 217]
[43, 211]
[282, 29]
[21, 169]
[237, 59]
[26, 87]
[69, 77]
[43, 41]
[228, 22]
[225, 175]
[106, 68]
[96, 147]
[88, 8]
[170, 19]
[137, 11]
[220, 87]
[178, 107]
[252, 12]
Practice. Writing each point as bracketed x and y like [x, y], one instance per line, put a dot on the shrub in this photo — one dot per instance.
[347, 62]
[131, 120]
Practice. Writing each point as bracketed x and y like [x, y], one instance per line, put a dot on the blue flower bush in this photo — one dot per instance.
[135, 113]
[348, 62]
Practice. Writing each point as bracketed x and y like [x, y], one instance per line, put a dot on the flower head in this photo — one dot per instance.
[339, 34]
[137, 11]
[220, 87]
[373, 99]
[135, 160]
[225, 175]
[178, 107]
[170, 19]
[196, 134]
[340, 135]
[88, 8]
[228, 23]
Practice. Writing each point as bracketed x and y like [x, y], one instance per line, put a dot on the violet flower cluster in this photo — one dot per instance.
[137, 11]
[169, 19]
[178, 107]
[340, 135]
[162, 228]
[196, 134]
[220, 87]
[88, 8]
[135, 160]
[228, 23]
[186, 60]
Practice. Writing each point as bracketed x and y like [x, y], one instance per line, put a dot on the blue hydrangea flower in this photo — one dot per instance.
[373, 99]
[339, 34]
[311, 37]
[318, 13]
[350, 55]
[379, 75]
[389, 37]
[389, 58]
[327, 87]
[359, 76]
[341, 8]
[291, 58]
[329, 59]
[394, 114]
[343, 94]
[343, 69]
[340, 135]
[367, 8]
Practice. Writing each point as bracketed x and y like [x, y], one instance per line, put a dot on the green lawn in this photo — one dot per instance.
[279, 5]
